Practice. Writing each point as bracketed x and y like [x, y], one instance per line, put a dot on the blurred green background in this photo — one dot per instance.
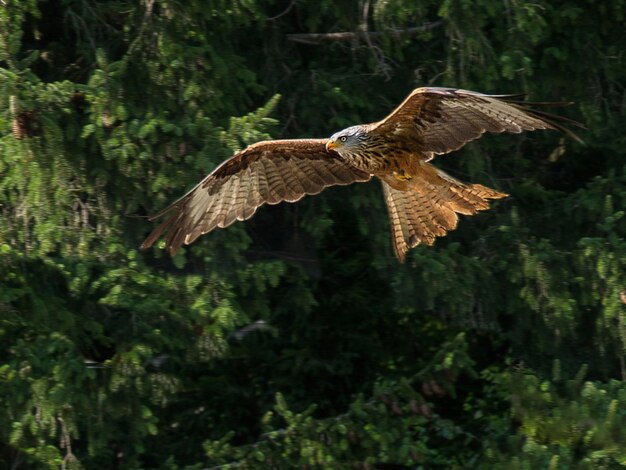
[296, 340]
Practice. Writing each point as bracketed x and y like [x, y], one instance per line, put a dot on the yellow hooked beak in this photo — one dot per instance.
[331, 144]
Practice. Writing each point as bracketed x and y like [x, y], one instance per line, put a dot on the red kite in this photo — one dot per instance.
[422, 200]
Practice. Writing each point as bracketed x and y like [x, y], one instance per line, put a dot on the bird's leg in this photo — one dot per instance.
[402, 175]
[406, 168]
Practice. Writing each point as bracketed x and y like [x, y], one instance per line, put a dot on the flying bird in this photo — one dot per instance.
[423, 201]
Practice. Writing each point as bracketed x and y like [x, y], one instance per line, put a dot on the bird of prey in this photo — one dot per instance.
[423, 201]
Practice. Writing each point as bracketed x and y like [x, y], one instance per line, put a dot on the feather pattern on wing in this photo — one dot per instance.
[266, 172]
[437, 121]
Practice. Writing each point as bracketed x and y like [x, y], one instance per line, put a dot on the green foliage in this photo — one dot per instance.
[564, 423]
[295, 339]
[395, 424]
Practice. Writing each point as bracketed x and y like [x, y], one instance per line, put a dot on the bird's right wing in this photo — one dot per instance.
[266, 172]
[437, 121]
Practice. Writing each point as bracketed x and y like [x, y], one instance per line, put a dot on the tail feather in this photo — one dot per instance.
[410, 225]
[428, 207]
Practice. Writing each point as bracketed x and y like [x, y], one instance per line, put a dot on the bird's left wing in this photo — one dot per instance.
[440, 120]
[266, 172]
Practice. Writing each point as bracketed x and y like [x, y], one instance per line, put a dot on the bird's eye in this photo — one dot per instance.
[343, 138]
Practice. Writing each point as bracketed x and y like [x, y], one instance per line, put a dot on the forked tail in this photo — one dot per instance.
[428, 207]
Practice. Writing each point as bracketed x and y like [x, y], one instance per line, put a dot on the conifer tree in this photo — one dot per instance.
[295, 340]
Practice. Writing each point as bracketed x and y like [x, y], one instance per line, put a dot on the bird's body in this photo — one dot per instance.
[422, 200]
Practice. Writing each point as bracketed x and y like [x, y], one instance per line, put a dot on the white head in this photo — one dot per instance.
[347, 141]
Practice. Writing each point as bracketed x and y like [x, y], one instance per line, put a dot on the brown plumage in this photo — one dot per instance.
[423, 201]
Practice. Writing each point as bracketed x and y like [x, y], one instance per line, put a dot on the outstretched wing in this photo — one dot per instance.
[266, 172]
[436, 121]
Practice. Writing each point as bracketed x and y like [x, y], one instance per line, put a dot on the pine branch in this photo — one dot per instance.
[318, 38]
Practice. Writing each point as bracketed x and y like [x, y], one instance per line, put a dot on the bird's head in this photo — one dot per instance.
[347, 141]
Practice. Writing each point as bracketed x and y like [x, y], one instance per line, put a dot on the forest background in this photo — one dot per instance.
[296, 340]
